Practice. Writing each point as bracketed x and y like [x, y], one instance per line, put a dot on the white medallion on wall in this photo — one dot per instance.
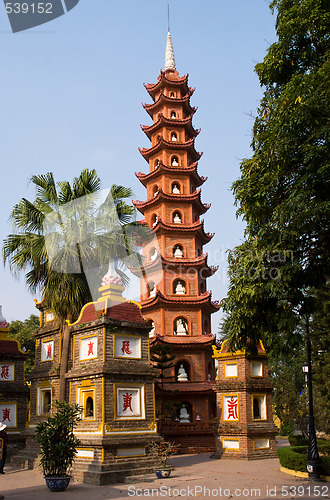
[128, 346]
[88, 348]
[8, 412]
[47, 350]
[7, 372]
[130, 402]
[230, 408]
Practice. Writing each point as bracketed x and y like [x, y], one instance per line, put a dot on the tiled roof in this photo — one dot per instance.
[189, 386]
[124, 311]
[9, 346]
[183, 339]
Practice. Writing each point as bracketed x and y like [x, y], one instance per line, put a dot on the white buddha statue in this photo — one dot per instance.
[153, 291]
[184, 415]
[175, 162]
[177, 251]
[156, 221]
[181, 327]
[175, 189]
[152, 331]
[177, 218]
[180, 289]
[153, 255]
[182, 374]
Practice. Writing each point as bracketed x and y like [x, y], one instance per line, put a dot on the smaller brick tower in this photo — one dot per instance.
[109, 375]
[244, 403]
[13, 391]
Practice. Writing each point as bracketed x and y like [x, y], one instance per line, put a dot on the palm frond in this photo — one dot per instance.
[46, 188]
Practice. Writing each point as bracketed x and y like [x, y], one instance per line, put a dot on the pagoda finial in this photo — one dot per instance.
[169, 54]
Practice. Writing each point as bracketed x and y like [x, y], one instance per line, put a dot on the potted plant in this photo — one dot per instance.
[162, 452]
[58, 444]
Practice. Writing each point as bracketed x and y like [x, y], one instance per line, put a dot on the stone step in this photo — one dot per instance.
[27, 459]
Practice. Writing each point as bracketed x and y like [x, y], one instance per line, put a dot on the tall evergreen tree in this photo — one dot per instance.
[284, 189]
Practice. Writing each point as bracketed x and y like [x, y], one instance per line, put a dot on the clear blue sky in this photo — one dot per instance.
[71, 93]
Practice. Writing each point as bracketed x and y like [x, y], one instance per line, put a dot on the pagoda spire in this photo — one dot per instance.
[169, 54]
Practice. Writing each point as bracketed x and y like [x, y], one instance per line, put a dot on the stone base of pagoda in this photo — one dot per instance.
[254, 444]
[105, 460]
[192, 437]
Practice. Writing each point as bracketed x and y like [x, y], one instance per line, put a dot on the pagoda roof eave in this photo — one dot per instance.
[152, 88]
[200, 262]
[192, 169]
[162, 143]
[163, 99]
[194, 198]
[186, 122]
[185, 340]
[186, 300]
[196, 227]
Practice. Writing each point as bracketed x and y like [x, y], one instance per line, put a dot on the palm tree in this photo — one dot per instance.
[66, 235]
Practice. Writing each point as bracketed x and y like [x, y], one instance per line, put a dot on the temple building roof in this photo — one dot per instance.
[169, 80]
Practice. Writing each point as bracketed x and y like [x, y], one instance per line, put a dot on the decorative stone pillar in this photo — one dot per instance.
[244, 405]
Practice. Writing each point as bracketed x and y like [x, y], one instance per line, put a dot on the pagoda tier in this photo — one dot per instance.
[161, 144]
[163, 100]
[165, 79]
[196, 229]
[194, 199]
[170, 122]
[173, 290]
[176, 264]
[161, 169]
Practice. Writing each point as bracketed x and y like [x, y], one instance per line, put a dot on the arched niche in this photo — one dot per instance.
[182, 371]
[179, 287]
[154, 220]
[174, 161]
[174, 136]
[152, 290]
[89, 407]
[155, 190]
[175, 187]
[177, 217]
[180, 326]
[185, 412]
[46, 402]
[173, 115]
[177, 251]
[153, 254]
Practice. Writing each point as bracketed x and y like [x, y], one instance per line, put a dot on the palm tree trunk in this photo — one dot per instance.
[64, 360]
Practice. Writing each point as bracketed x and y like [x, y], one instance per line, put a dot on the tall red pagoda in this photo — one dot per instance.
[175, 295]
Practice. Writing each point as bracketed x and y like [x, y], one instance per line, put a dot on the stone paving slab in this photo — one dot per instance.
[194, 477]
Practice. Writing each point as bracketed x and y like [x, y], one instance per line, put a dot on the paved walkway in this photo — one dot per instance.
[195, 476]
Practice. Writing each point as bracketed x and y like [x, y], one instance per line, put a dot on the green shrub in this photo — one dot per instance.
[296, 458]
[298, 441]
[326, 465]
[291, 459]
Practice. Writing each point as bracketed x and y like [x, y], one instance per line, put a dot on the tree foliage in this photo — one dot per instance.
[66, 232]
[283, 191]
[23, 332]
